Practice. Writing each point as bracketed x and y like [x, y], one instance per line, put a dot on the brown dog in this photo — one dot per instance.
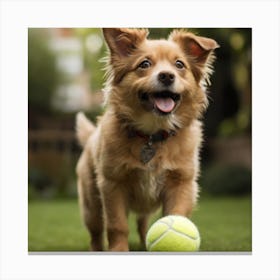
[144, 152]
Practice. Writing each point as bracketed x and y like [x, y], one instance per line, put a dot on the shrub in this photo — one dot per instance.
[226, 180]
[42, 74]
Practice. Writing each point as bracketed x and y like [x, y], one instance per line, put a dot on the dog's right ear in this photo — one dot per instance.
[199, 51]
[123, 41]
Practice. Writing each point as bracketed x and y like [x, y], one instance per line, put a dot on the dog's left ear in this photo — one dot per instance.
[123, 41]
[199, 52]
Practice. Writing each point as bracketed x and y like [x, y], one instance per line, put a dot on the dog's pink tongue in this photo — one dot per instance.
[165, 104]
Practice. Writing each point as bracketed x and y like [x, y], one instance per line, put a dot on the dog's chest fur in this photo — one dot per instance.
[145, 192]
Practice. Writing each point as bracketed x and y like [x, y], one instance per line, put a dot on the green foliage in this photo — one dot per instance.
[226, 180]
[236, 125]
[38, 183]
[91, 38]
[52, 176]
[42, 74]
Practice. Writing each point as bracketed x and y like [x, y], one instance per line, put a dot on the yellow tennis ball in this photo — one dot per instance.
[173, 234]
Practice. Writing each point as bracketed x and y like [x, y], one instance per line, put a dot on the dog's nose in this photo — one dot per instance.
[166, 78]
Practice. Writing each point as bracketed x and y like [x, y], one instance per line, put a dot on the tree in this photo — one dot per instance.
[42, 73]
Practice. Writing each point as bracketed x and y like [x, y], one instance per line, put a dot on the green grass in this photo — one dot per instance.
[224, 225]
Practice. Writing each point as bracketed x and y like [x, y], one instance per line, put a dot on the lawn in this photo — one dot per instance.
[224, 224]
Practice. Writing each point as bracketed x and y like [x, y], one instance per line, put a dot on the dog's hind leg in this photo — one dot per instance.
[91, 205]
[92, 213]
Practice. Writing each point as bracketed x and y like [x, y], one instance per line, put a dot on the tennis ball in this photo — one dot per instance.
[173, 234]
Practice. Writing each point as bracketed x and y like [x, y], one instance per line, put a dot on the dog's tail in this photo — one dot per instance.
[84, 128]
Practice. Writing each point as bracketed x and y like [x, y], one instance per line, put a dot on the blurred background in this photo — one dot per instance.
[65, 76]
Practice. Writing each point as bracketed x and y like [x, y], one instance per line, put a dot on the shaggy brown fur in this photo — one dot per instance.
[152, 86]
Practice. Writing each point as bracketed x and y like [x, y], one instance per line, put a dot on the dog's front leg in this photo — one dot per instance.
[116, 216]
[180, 193]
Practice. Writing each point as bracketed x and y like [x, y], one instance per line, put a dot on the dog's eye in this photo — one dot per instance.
[179, 64]
[145, 64]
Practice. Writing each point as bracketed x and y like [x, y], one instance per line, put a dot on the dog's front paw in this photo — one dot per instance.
[119, 248]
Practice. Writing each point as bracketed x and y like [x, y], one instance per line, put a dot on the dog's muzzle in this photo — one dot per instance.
[162, 102]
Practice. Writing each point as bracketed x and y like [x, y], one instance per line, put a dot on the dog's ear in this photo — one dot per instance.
[122, 41]
[199, 52]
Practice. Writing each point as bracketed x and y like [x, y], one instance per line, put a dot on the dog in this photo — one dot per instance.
[144, 152]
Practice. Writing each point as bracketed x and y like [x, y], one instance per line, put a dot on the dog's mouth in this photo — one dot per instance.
[162, 102]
